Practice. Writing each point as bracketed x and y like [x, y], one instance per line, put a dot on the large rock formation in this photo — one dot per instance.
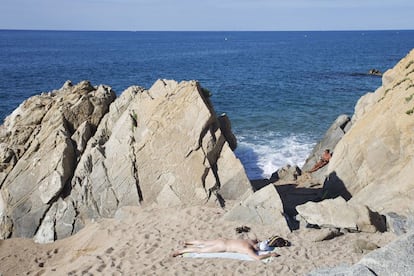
[78, 153]
[374, 162]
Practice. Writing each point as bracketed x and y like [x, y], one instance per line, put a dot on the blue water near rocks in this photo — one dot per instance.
[281, 90]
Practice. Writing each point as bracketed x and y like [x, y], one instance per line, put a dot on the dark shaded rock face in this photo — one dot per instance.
[332, 136]
[80, 153]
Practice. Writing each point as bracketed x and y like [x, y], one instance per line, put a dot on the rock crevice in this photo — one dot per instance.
[81, 153]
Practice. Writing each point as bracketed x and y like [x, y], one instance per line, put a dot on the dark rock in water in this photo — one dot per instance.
[371, 72]
[374, 72]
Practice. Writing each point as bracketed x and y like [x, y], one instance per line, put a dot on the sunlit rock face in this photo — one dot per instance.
[81, 153]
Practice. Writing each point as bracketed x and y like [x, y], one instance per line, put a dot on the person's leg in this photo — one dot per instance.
[317, 166]
[194, 242]
[202, 242]
[212, 247]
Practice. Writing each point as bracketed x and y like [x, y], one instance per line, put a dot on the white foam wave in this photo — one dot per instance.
[263, 155]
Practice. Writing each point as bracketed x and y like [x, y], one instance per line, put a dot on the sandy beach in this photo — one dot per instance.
[139, 241]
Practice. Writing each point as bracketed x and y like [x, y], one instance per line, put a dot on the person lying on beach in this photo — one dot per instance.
[326, 156]
[244, 246]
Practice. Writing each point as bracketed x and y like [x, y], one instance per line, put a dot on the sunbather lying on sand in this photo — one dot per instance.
[244, 246]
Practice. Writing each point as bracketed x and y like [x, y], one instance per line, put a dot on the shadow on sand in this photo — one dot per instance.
[293, 195]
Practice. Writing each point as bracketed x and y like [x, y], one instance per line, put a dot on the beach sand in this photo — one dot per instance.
[139, 241]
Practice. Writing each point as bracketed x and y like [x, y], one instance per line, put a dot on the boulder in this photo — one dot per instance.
[286, 174]
[166, 148]
[262, 207]
[337, 213]
[78, 153]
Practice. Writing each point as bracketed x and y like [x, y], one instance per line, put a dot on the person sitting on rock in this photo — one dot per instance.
[326, 156]
[244, 246]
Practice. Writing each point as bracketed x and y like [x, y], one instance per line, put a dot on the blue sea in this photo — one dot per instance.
[281, 90]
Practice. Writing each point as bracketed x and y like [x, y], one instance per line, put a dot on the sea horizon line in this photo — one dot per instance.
[206, 31]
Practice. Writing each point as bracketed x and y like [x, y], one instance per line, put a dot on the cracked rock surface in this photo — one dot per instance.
[81, 153]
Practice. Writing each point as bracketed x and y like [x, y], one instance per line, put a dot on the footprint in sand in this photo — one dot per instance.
[283, 270]
[40, 262]
[86, 271]
[151, 249]
[109, 250]
[101, 268]
[50, 253]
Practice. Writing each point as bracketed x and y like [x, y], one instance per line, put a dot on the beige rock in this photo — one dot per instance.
[39, 134]
[338, 213]
[46, 233]
[233, 179]
[262, 207]
[374, 161]
[82, 135]
[83, 156]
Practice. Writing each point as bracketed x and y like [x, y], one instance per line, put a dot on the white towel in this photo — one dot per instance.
[226, 255]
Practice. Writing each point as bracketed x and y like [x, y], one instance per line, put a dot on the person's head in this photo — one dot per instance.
[281, 242]
[277, 241]
[327, 151]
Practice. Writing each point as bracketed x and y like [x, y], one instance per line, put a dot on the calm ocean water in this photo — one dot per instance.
[281, 90]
